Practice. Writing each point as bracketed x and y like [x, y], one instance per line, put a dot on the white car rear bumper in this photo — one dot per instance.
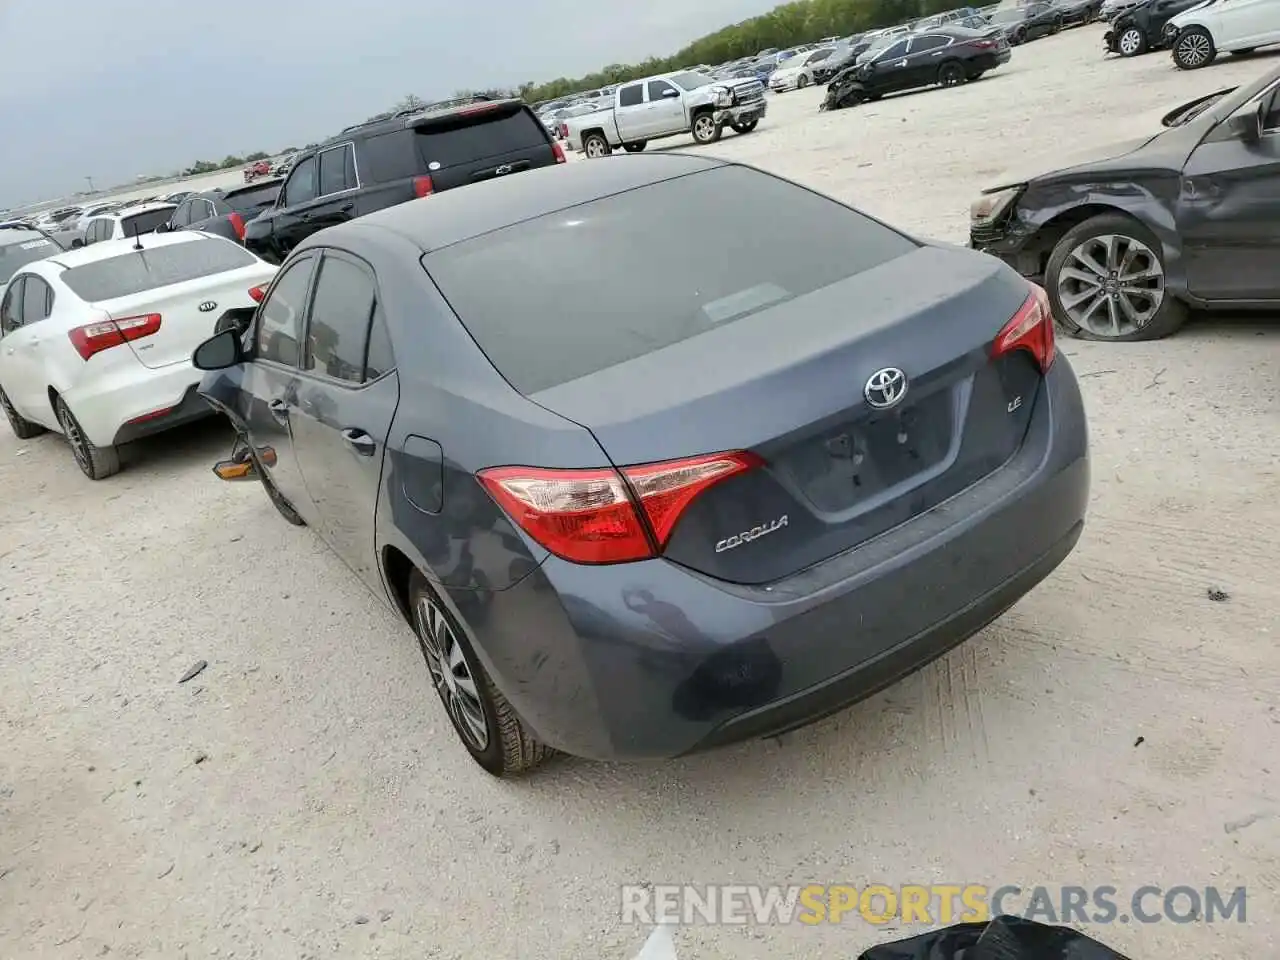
[134, 401]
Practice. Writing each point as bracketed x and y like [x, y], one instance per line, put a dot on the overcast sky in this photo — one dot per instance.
[111, 89]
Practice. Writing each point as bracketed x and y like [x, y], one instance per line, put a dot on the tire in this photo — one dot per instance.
[951, 74]
[802, 81]
[705, 129]
[1193, 49]
[23, 428]
[855, 95]
[635, 147]
[1159, 320]
[481, 716]
[278, 499]
[596, 145]
[96, 463]
[1019, 37]
[1056, 27]
[1132, 42]
[745, 127]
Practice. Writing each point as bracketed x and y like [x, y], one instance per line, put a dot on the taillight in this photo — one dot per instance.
[558, 151]
[984, 44]
[257, 293]
[422, 187]
[237, 224]
[1031, 329]
[95, 337]
[606, 515]
[564, 131]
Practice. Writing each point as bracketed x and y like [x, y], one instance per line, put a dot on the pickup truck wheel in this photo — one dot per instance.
[745, 127]
[705, 129]
[595, 146]
[635, 147]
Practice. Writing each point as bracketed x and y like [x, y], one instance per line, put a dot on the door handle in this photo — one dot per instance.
[360, 441]
[346, 208]
[279, 409]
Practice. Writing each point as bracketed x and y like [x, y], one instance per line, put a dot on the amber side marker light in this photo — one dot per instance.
[233, 470]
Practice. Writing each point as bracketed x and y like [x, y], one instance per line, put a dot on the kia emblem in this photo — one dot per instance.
[208, 306]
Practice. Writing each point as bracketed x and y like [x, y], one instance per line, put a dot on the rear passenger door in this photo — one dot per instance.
[923, 56]
[337, 182]
[346, 399]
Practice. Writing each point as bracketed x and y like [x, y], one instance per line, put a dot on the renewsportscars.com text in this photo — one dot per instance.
[930, 904]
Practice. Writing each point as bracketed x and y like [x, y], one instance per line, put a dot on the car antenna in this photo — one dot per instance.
[137, 234]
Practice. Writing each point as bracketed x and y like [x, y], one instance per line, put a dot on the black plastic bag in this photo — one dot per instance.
[1004, 938]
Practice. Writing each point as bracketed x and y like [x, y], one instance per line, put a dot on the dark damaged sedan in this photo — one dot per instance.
[1127, 238]
[740, 488]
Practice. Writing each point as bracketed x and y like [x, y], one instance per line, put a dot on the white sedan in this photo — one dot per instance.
[1198, 35]
[797, 72]
[96, 343]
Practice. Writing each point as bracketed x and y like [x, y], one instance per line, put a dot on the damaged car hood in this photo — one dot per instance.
[1059, 161]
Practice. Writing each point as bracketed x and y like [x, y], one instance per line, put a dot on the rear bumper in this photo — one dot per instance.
[106, 406]
[650, 660]
[190, 408]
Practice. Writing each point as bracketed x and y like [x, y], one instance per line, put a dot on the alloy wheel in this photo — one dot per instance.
[75, 438]
[595, 148]
[451, 674]
[703, 129]
[1193, 50]
[1111, 285]
[1130, 40]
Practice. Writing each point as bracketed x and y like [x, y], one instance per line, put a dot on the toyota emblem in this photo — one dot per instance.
[208, 306]
[885, 388]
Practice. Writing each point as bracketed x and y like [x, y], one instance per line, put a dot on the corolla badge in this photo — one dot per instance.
[208, 306]
[755, 533]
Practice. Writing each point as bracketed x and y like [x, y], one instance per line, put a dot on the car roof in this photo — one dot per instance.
[452, 216]
[105, 249]
[137, 208]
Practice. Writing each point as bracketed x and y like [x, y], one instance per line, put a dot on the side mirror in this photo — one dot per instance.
[220, 351]
[77, 243]
[163, 228]
[670, 93]
[1248, 126]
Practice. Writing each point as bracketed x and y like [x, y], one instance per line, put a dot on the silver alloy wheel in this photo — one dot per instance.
[1193, 49]
[451, 674]
[75, 438]
[704, 128]
[1130, 40]
[1111, 285]
[595, 148]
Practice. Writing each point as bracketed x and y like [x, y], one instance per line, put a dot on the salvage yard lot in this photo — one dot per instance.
[304, 796]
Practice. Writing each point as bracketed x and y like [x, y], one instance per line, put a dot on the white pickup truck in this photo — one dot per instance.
[667, 106]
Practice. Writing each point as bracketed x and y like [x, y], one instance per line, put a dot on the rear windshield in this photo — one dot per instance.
[139, 270]
[253, 200]
[15, 252]
[665, 263]
[145, 222]
[478, 136]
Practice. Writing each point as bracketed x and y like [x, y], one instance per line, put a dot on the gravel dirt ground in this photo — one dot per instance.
[304, 796]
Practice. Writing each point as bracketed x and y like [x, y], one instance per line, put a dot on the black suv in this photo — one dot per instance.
[391, 160]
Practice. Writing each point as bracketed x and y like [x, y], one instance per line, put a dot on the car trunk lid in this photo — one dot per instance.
[809, 396]
[188, 312]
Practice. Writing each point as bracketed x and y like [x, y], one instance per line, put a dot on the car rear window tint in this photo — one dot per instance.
[665, 263]
[137, 270]
[15, 252]
[478, 136]
[389, 156]
[253, 200]
[145, 222]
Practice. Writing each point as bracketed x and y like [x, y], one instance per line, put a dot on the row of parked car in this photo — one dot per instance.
[1194, 31]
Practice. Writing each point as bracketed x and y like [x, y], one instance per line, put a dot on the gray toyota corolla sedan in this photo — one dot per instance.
[641, 483]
